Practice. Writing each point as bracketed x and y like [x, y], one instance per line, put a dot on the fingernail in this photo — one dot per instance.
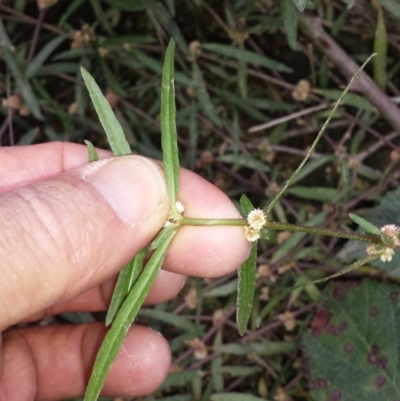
[133, 186]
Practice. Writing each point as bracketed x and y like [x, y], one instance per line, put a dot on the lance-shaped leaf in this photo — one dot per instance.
[366, 225]
[126, 279]
[246, 205]
[246, 289]
[169, 136]
[93, 156]
[115, 135]
[114, 338]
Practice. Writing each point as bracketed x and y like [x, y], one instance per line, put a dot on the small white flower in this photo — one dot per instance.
[387, 255]
[371, 250]
[390, 230]
[179, 207]
[251, 234]
[256, 219]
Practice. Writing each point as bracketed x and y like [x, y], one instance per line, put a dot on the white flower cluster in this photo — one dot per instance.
[386, 253]
[393, 232]
[256, 219]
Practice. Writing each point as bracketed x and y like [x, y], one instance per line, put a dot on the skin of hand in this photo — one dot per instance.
[66, 229]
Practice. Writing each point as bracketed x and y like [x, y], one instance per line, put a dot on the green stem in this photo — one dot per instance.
[189, 221]
[322, 231]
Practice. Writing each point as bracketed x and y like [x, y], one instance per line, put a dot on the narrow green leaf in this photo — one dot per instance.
[380, 48]
[114, 338]
[247, 56]
[312, 166]
[179, 379]
[222, 290]
[41, 57]
[387, 212]
[170, 318]
[164, 233]
[111, 80]
[155, 66]
[167, 21]
[216, 365]
[243, 104]
[245, 205]
[264, 348]
[111, 125]
[127, 39]
[391, 5]
[289, 14]
[93, 156]
[169, 136]
[246, 289]
[321, 194]
[203, 96]
[29, 137]
[101, 16]
[352, 99]
[24, 87]
[127, 278]
[237, 371]
[71, 8]
[366, 225]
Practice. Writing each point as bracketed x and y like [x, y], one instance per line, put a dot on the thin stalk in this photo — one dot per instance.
[189, 221]
[322, 231]
[274, 225]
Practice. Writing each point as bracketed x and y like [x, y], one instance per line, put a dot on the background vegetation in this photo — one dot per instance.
[241, 64]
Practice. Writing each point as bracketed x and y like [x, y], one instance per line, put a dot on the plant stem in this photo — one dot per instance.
[322, 231]
[189, 221]
[274, 225]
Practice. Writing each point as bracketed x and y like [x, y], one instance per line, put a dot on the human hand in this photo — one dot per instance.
[66, 228]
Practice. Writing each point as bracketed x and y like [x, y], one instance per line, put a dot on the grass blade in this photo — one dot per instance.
[116, 138]
[289, 14]
[93, 157]
[380, 48]
[126, 279]
[114, 338]
[169, 136]
[246, 289]
[41, 57]
[203, 96]
[247, 56]
[24, 87]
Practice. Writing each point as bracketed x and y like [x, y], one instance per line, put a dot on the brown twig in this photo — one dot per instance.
[312, 28]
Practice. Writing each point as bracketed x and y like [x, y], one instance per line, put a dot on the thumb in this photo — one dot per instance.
[61, 237]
